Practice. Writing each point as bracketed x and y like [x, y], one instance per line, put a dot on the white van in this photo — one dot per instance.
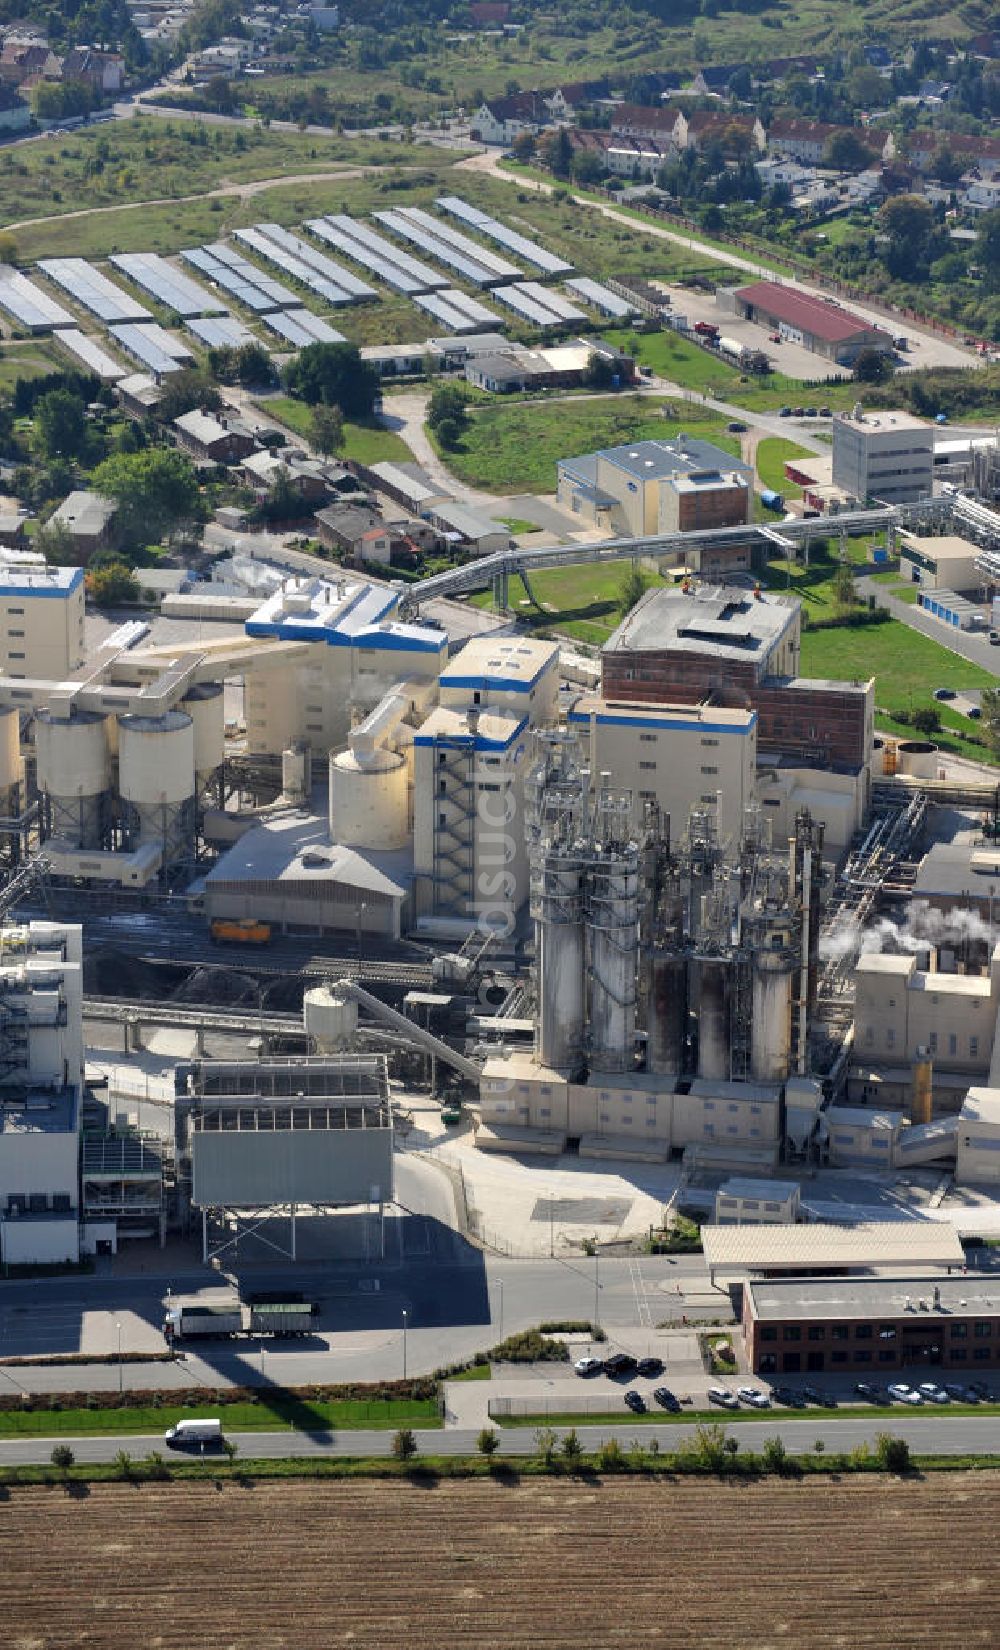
[193, 1432]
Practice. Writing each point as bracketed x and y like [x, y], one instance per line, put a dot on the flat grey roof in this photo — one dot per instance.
[959, 1297]
[658, 460]
[948, 868]
[769, 1191]
[84, 512]
[39, 1111]
[725, 622]
[913, 1243]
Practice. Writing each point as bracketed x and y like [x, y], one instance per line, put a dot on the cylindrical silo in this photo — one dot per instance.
[156, 778]
[368, 799]
[73, 773]
[10, 752]
[557, 904]
[666, 1011]
[614, 937]
[771, 1032]
[712, 993]
[918, 758]
[330, 1018]
[205, 704]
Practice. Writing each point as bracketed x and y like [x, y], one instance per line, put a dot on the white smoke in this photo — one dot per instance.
[923, 925]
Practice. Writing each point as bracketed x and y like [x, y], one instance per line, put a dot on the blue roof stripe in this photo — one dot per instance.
[668, 723]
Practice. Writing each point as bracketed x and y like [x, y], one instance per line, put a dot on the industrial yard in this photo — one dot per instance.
[504, 1566]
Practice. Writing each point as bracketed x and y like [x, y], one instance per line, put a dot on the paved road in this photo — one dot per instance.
[934, 1436]
[968, 645]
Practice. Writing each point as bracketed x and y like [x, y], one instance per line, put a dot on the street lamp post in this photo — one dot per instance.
[404, 1343]
[500, 1289]
[597, 1284]
[121, 1372]
[552, 1234]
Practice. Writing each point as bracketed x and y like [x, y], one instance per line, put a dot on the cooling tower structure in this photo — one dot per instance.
[73, 776]
[156, 782]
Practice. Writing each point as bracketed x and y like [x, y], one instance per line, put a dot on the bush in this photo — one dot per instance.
[610, 1457]
[62, 1457]
[774, 1455]
[893, 1453]
[404, 1444]
[488, 1442]
[528, 1347]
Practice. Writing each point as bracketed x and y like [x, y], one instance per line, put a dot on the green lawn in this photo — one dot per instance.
[367, 443]
[513, 449]
[27, 360]
[276, 1414]
[772, 455]
[683, 362]
[579, 601]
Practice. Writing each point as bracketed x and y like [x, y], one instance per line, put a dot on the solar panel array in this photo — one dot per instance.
[242, 279]
[28, 304]
[93, 290]
[333, 272]
[457, 311]
[505, 270]
[329, 291]
[602, 298]
[90, 354]
[157, 349]
[221, 331]
[169, 286]
[301, 327]
[548, 262]
[469, 267]
[373, 252]
[536, 304]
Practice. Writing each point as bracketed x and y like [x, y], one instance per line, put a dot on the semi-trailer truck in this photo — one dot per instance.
[285, 1319]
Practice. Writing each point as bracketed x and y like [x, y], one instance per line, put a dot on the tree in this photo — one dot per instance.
[112, 584]
[989, 701]
[155, 491]
[446, 401]
[865, 89]
[600, 374]
[523, 147]
[62, 1457]
[848, 152]
[404, 1444]
[61, 424]
[8, 249]
[947, 166]
[231, 1448]
[336, 374]
[872, 366]
[893, 1453]
[927, 719]
[545, 1445]
[843, 585]
[708, 1446]
[185, 391]
[572, 1449]
[449, 433]
[774, 1455]
[610, 1457]
[908, 221]
[327, 428]
[123, 1464]
[55, 542]
[632, 588]
[488, 1442]
[587, 167]
[988, 249]
[555, 150]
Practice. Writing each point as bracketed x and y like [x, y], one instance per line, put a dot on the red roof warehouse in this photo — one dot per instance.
[818, 323]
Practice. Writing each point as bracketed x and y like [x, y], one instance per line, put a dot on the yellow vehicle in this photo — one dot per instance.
[240, 931]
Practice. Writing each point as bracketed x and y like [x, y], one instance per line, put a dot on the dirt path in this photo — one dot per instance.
[255, 186]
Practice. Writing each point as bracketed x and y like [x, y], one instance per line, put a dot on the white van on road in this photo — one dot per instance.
[193, 1432]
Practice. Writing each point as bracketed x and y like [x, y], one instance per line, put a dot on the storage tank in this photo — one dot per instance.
[771, 1032]
[917, 757]
[666, 1011]
[205, 706]
[330, 1018]
[613, 922]
[73, 772]
[156, 777]
[296, 772]
[712, 993]
[559, 947]
[10, 750]
[368, 799]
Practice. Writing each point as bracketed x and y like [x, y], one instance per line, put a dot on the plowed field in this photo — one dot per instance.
[551, 1564]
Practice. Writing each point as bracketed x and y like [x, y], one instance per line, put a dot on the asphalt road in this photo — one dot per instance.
[962, 1435]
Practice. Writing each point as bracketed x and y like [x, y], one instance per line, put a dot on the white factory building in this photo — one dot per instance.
[41, 1089]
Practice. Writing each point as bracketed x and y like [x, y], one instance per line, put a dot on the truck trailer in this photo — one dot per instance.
[281, 1318]
[188, 1323]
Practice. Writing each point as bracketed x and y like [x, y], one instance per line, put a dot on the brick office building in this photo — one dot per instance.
[875, 1326]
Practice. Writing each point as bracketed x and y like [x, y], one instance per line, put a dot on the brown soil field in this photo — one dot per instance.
[580, 1564]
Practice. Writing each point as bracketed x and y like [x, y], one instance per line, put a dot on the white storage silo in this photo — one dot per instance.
[205, 706]
[156, 778]
[368, 799]
[330, 1018]
[73, 773]
[10, 755]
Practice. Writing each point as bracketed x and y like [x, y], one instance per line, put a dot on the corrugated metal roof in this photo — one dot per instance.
[885, 1243]
[800, 309]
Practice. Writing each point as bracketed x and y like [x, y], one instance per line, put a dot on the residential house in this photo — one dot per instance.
[934, 91]
[500, 120]
[99, 69]
[924, 144]
[212, 438]
[308, 475]
[807, 140]
[88, 518]
[15, 113]
[656, 123]
[734, 132]
[139, 395]
[12, 519]
[343, 527]
[714, 82]
[779, 68]
[489, 14]
[878, 57]
[34, 61]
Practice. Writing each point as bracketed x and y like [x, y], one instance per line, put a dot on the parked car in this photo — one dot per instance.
[825, 412]
[736, 428]
[964, 1394]
[666, 1398]
[982, 1392]
[800, 412]
[864, 1389]
[933, 1393]
[784, 412]
[620, 1363]
[974, 713]
[588, 1366]
[788, 1396]
[944, 693]
[994, 638]
[811, 412]
[649, 1366]
[812, 1394]
[635, 1400]
[904, 1394]
[753, 1396]
[725, 1400]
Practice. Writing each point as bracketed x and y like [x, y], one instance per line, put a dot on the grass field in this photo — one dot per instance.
[498, 1565]
[683, 362]
[579, 601]
[516, 449]
[28, 360]
[773, 453]
[276, 1414]
[368, 443]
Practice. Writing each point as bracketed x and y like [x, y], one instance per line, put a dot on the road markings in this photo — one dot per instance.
[639, 1291]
